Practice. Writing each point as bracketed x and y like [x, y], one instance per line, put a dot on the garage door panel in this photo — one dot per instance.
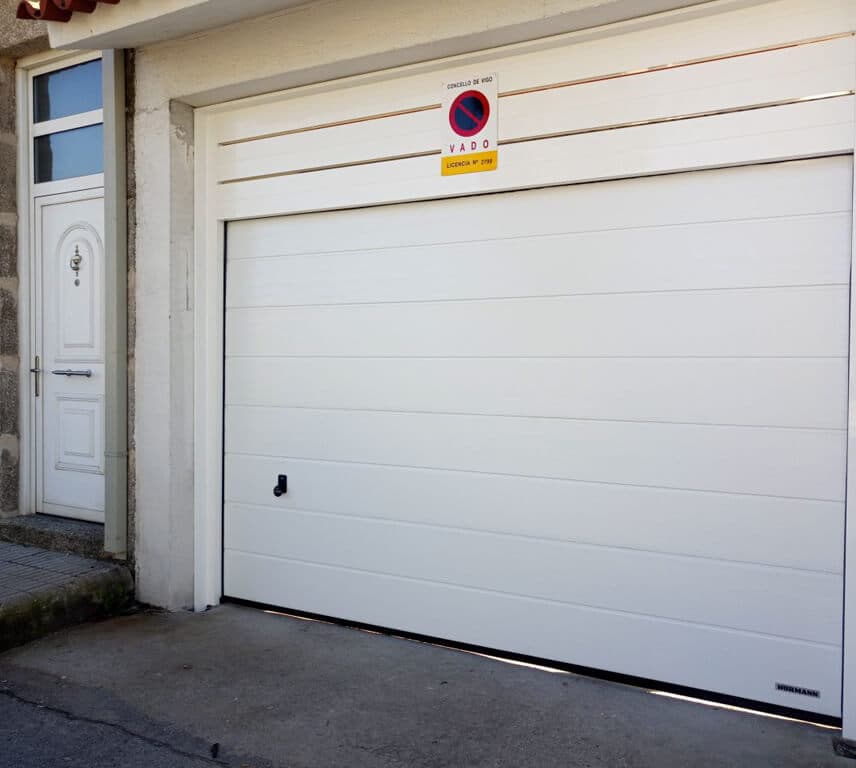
[776, 191]
[685, 654]
[697, 590]
[714, 525]
[743, 254]
[754, 322]
[808, 392]
[783, 462]
[602, 424]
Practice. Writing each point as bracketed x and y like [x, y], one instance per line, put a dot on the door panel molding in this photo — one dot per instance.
[78, 458]
[89, 347]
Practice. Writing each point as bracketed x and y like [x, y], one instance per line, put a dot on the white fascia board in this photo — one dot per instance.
[133, 23]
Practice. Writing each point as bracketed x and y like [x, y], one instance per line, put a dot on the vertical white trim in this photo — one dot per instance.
[208, 270]
[848, 683]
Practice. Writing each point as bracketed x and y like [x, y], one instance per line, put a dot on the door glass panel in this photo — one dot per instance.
[62, 155]
[67, 91]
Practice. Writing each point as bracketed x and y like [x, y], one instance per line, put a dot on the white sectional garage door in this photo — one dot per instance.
[602, 424]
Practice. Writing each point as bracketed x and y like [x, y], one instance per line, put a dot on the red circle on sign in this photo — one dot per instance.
[469, 113]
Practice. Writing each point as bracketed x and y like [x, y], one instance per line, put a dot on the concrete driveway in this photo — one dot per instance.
[240, 687]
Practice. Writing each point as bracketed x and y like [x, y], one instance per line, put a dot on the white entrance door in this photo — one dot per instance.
[603, 424]
[69, 380]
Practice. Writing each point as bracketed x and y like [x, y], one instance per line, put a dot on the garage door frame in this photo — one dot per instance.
[213, 208]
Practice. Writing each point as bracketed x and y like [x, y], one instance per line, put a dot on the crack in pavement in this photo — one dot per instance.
[10, 694]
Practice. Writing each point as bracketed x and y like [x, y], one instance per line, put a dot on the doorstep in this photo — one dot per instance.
[42, 591]
[59, 534]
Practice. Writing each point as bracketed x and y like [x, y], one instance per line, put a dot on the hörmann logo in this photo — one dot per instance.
[797, 689]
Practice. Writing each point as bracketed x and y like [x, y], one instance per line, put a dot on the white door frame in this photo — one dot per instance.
[209, 234]
[28, 191]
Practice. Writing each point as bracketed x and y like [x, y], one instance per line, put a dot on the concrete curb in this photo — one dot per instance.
[100, 594]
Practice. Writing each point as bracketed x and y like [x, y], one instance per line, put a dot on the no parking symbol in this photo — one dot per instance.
[469, 113]
[470, 125]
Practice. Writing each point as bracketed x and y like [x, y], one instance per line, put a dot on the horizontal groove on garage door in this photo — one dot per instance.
[544, 136]
[705, 390]
[537, 88]
[814, 128]
[717, 86]
[626, 49]
[719, 526]
[749, 516]
[655, 597]
[676, 651]
[635, 206]
[750, 460]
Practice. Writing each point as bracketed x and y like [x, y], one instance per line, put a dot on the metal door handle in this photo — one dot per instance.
[37, 369]
[281, 486]
[69, 372]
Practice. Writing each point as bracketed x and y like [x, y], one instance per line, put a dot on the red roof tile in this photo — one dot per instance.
[56, 10]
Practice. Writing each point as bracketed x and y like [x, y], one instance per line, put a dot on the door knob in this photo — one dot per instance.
[281, 486]
[75, 263]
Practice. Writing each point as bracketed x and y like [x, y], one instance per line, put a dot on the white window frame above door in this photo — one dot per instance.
[33, 130]
[27, 69]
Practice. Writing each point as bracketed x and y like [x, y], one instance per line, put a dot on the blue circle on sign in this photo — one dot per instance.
[469, 113]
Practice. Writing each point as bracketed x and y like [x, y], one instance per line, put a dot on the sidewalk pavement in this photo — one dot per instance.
[42, 591]
[241, 687]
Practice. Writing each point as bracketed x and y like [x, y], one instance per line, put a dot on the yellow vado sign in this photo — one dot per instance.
[470, 126]
[479, 161]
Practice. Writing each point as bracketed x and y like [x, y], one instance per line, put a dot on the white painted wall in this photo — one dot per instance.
[308, 44]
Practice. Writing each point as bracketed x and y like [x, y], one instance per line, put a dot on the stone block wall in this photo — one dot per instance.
[17, 39]
[9, 361]
[20, 38]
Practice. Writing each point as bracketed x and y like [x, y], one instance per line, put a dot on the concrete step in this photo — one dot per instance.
[58, 534]
[42, 591]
